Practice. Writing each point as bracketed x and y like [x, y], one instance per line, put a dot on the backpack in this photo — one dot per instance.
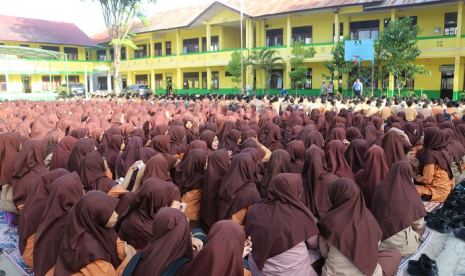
[447, 116]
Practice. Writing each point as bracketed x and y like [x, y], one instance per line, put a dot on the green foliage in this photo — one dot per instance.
[119, 16]
[338, 66]
[234, 67]
[266, 61]
[300, 53]
[398, 49]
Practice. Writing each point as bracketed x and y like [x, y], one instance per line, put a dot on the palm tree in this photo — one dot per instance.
[265, 60]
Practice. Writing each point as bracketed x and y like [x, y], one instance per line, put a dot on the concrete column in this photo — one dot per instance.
[209, 78]
[209, 39]
[458, 74]
[163, 83]
[128, 79]
[259, 34]
[179, 79]
[151, 47]
[336, 40]
[391, 77]
[109, 81]
[163, 46]
[288, 31]
[178, 43]
[91, 83]
[247, 33]
[152, 80]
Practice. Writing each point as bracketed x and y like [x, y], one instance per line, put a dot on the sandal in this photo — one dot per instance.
[460, 233]
[441, 224]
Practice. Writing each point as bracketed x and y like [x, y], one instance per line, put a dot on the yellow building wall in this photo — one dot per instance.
[322, 26]
[231, 38]
[429, 19]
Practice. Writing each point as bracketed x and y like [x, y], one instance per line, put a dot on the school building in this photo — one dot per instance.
[187, 50]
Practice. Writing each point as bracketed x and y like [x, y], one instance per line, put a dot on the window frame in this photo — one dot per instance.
[414, 22]
[341, 32]
[49, 48]
[356, 30]
[158, 81]
[158, 51]
[168, 48]
[72, 52]
[275, 78]
[190, 80]
[141, 53]
[450, 25]
[100, 56]
[3, 85]
[214, 44]
[142, 79]
[275, 35]
[302, 31]
[190, 45]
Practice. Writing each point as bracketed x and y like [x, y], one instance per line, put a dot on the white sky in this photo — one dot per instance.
[86, 14]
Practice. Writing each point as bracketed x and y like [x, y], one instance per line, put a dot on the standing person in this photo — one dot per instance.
[323, 88]
[358, 87]
[330, 88]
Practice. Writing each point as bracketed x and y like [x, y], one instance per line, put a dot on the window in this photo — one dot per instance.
[450, 23]
[274, 37]
[56, 82]
[227, 74]
[191, 80]
[50, 48]
[414, 21]
[158, 50]
[302, 34]
[168, 48]
[72, 53]
[276, 79]
[364, 29]
[102, 55]
[141, 79]
[23, 45]
[2, 83]
[141, 51]
[213, 46]
[308, 83]
[2, 55]
[73, 78]
[87, 55]
[158, 81]
[341, 32]
[204, 80]
[215, 80]
[111, 55]
[123, 52]
[190, 45]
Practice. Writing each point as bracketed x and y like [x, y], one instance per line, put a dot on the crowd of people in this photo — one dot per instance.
[225, 185]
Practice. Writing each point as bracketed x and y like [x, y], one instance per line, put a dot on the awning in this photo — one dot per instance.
[33, 53]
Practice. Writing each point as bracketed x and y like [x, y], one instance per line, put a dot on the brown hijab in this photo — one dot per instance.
[135, 225]
[29, 166]
[86, 239]
[81, 149]
[177, 136]
[374, 171]
[106, 140]
[193, 170]
[226, 239]
[355, 154]
[334, 153]
[92, 173]
[218, 164]
[157, 167]
[113, 150]
[393, 149]
[396, 204]
[64, 193]
[78, 133]
[280, 221]
[34, 206]
[350, 227]
[9, 148]
[208, 136]
[434, 151]
[161, 144]
[230, 140]
[51, 140]
[41, 125]
[273, 138]
[314, 138]
[237, 187]
[279, 163]
[144, 154]
[353, 133]
[62, 152]
[296, 150]
[171, 241]
[127, 158]
[315, 179]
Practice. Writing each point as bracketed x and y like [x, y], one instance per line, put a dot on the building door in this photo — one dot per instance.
[26, 84]
[124, 83]
[169, 86]
[447, 85]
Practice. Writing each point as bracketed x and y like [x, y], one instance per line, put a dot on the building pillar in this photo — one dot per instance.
[178, 44]
[163, 83]
[91, 83]
[178, 79]
[163, 46]
[151, 47]
[251, 34]
[109, 81]
[247, 34]
[258, 38]
[288, 31]
[152, 80]
[209, 35]
[209, 78]
[336, 40]
[458, 73]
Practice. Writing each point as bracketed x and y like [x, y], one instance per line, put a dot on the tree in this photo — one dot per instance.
[398, 50]
[119, 16]
[234, 67]
[265, 60]
[300, 53]
[338, 66]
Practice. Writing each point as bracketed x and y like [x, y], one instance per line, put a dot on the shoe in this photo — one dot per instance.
[425, 257]
[2, 273]
[441, 224]
[424, 268]
[442, 212]
[449, 203]
[1, 251]
[459, 206]
[460, 233]
[457, 223]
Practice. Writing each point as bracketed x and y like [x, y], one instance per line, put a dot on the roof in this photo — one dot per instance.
[388, 4]
[42, 31]
[26, 52]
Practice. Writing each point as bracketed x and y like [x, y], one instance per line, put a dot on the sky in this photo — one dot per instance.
[86, 14]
